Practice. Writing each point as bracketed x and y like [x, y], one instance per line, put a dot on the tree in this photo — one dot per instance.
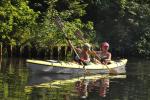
[16, 19]
[123, 23]
[47, 33]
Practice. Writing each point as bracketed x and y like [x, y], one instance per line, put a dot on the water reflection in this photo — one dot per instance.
[36, 79]
[85, 87]
[13, 78]
[74, 88]
[16, 83]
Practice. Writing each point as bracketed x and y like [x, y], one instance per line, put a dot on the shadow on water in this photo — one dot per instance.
[35, 79]
[16, 83]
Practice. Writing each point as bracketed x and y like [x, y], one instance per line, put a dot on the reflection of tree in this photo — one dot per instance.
[67, 89]
[13, 79]
[0, 62]
[99, 86]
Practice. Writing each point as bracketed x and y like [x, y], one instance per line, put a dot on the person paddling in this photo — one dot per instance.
[84, 54]
[103, 54]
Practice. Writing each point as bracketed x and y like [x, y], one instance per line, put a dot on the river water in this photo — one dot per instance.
[17, 83]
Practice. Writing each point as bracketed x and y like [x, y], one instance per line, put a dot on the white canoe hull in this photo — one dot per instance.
[39, 66]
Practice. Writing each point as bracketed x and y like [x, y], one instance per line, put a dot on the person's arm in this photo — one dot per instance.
[96, 54]
[108, 58]
[79, 50]
[86, 59]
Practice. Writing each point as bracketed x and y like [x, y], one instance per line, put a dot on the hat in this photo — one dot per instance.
[87, 46]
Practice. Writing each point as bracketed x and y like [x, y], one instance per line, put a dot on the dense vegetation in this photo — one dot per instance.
[30, 24]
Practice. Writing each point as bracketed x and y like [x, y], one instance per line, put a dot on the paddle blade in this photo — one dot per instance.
[58, 22]
[78, 34]
[113, 72]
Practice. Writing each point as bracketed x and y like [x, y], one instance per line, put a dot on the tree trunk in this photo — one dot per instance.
[55, 52]
[58, 51]
[51, 52]
[62, 53]
[0, 63]
[10, 50]
[65, 52]
[20, 51]
[1, 49]
[29, 52]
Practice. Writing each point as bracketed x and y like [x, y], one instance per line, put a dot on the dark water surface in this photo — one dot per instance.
[17, 83]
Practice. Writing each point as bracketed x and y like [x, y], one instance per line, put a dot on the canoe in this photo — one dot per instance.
[54, 66]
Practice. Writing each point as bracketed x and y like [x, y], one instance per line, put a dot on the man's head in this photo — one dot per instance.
[86, 46]
[104, 46]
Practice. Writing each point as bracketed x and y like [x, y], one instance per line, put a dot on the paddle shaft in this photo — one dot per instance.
[79, 35]
[60, 25]
[69, 42]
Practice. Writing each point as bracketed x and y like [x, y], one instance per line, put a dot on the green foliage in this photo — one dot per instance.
[138, 23]
[143, 44]
[16, 18]
[32, 23]
[124, 24]
[47, 34]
